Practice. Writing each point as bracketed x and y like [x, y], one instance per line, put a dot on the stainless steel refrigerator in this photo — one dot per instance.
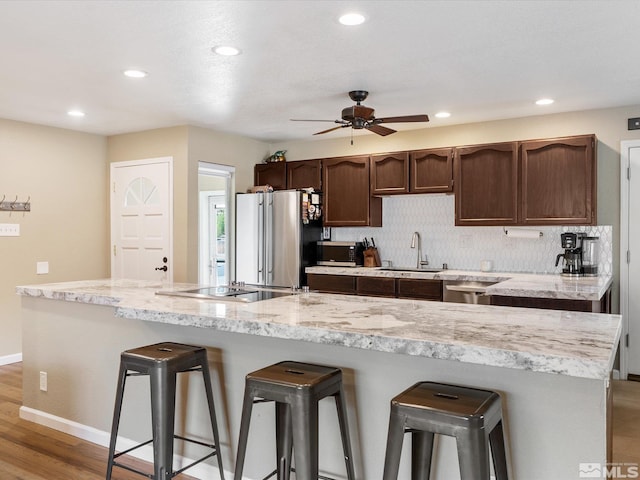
[273, 243]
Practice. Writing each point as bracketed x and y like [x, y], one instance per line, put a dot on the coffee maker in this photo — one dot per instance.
[572, 244]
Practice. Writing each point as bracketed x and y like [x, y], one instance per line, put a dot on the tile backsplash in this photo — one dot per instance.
[465, 247]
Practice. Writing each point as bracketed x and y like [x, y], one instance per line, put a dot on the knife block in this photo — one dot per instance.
[371, 257]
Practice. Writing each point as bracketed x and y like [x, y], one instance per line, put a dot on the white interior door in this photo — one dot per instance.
[630, 256]
[141, 219]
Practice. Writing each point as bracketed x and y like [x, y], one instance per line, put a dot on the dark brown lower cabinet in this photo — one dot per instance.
[376, 286]
[419, 289]
[595, 306]
[332, 283]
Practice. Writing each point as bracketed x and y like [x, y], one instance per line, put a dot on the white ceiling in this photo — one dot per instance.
[480, 60]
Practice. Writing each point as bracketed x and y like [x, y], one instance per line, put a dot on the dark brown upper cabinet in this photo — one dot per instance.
[304, 174]
[423, 171]
[486, 184]
[559, 181]
[273, 173]
[431, 171]
[390, 173]
[347, 198]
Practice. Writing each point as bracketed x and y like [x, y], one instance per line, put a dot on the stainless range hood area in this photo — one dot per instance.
[233, 293]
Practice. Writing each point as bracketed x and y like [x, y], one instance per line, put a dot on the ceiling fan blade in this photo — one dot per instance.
[405, 118]
[330, 130]
[380, 130]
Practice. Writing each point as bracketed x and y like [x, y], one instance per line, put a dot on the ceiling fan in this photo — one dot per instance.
[359, 116]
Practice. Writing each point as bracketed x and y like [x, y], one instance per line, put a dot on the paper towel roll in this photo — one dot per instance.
[523, 233]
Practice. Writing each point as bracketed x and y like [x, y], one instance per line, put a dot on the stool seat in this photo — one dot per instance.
[307, 377]
[296, 388]
[473, 416]
[162, 362]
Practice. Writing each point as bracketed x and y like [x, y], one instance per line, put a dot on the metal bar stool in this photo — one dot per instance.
[472, 416]
[162, 362]
[296, 388]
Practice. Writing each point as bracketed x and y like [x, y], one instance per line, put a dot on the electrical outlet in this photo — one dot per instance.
[9, 229]
[42, 268]
[43, 382]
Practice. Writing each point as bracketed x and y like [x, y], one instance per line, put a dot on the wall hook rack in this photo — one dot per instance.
[15, 205]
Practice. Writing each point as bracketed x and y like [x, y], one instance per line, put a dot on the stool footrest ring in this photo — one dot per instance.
[320, 477]
[177, 472]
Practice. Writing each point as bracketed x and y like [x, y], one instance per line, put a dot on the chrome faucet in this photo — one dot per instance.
[416, 240]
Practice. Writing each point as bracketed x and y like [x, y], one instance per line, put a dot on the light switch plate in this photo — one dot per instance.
[42, 268]
[9, 229]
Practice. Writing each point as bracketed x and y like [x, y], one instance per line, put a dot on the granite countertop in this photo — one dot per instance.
[507, 284]
[558, 342]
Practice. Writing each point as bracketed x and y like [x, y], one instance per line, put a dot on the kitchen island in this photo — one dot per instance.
[552, 367]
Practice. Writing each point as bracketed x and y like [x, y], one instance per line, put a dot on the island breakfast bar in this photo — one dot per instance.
[552, 369]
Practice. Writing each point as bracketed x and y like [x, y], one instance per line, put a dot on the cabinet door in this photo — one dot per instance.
[347, 201]
[304, 174]
[486, 184]
[431, 171]
[390, 173]
[332, 283]
[273, 174]
[559, 181]
[376, 286]
[420, 289]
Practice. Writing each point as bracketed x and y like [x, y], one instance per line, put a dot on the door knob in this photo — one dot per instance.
[163, 268]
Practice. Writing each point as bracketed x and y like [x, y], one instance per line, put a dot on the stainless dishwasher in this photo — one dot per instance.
[460, 291]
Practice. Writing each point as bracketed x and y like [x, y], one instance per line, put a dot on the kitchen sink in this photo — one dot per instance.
[412, 269]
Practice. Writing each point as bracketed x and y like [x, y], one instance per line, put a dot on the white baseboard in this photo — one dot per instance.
[7, 359]
[99, 437]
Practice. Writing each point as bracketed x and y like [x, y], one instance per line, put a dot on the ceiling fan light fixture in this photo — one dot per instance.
[351, 19]
[545, 101]
[226, 50]
[443, 115]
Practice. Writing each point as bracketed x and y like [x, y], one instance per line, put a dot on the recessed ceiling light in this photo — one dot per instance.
[443, 114]
[135, 73]
[75, 113]
[351, 19]
[544, 101]
[226, 50]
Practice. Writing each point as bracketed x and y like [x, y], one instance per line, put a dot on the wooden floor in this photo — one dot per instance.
[32, 452]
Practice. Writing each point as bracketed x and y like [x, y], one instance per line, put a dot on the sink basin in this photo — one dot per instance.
[412, 269]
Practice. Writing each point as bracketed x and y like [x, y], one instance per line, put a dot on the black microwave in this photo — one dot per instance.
[340, 254]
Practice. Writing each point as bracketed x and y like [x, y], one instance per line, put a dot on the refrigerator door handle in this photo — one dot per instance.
[268, 240]
[261, 237]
